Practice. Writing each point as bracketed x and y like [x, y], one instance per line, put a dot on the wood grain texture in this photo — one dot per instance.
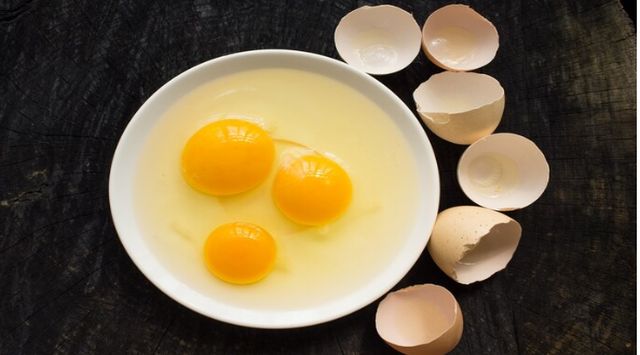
[72, 74]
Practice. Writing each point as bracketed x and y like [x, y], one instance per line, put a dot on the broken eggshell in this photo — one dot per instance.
[421, 319]
[460, 107]
[503, 171]
[471, 243]
[378, 39]
[456, 37]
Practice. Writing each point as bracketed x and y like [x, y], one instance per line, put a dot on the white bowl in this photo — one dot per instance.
[124, 165]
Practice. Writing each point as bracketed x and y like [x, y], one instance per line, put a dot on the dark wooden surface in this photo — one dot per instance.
[72, 74]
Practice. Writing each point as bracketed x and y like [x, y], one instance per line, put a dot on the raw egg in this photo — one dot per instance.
[240, 253]
[227, 157]
[312, 189]
[305, 109]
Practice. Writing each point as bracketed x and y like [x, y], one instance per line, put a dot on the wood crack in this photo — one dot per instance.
[162, 336]
[10, 15]
[55, 298]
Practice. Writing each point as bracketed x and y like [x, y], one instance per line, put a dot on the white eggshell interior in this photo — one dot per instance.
[491, 254]
[457, 92]
[458, 38]
[503, 171]
[378, 39]
[416, 315]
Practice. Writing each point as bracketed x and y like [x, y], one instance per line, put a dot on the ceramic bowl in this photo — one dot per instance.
[125, 161]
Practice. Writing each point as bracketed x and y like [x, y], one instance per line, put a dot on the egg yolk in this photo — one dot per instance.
[312, 190]
[227, 157]
[240, 253]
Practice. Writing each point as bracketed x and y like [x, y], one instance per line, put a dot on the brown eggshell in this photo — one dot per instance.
[503, 172]
[471, 243]
[460, 107]
[456, 37]
[378, 39]
[422, 319]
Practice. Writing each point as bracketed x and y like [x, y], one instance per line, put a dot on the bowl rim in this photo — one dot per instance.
[145, 261]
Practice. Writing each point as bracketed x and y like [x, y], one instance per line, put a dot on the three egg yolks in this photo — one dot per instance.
[231, 156]
[240, 253]
[227, 157]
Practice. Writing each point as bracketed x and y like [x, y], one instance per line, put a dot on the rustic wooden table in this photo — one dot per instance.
[72, 74]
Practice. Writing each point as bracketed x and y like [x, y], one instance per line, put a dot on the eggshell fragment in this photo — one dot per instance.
[503, 171]
[378, 39]
[460, 107]
[422, 319]
[472, 243]
[455, 37]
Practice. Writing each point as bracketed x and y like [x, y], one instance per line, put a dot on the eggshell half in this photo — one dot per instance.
[472, 243]
[460, 107]
[378, 39]
[455, 37]
[503, 171]
[421, 319]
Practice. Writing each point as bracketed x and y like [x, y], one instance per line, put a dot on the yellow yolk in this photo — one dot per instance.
[312, 190]
[240, 253]
[227, 157]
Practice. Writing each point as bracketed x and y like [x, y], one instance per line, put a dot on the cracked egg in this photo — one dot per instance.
[421, 319]
[378, 39]
[456, 37]
[460, 107]
[503, 171]
[471, 243]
